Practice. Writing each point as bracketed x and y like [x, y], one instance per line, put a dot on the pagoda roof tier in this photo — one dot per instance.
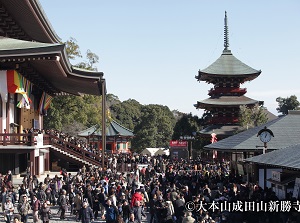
[216, 101]
[221, 130]
[26, 20]
[229, 66]
[47, 66]
[113, 129]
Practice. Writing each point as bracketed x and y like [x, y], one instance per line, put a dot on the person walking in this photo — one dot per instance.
[36, 206]
[23, 208]
[111, 212]
[8, 210]
[86, 213]
[63, 204]
[45, 212]
[138, 212]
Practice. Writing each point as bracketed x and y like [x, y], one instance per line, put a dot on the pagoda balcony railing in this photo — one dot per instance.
[227, 90]
[22, 140]
[223, 120]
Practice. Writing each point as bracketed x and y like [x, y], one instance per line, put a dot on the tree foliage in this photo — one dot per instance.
[251, 117]
[69, 109]
[154, 129]
[286, 104]
[128, 112]
[188, 125]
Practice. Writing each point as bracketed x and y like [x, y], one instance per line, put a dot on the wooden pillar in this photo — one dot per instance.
[32, 163]
[17, 164]
[47, 161]
[37, 166]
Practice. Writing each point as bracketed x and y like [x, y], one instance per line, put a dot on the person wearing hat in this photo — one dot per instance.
[23, 208]
[86, 213]
[8, 209]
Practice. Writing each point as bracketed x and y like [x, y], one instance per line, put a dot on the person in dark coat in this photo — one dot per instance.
[179, 207]
[96, 203]
[45, 212]
[86, 213]
[138, 212]
[111, 212]
[63, 204]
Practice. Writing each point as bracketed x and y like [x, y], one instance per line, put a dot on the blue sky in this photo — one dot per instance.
[151, 50]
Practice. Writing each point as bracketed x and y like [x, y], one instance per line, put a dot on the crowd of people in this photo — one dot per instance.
[155, 190]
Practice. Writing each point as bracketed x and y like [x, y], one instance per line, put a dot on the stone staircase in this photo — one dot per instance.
[77, 154]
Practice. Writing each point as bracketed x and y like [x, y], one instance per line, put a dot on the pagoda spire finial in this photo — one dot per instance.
[226, 35]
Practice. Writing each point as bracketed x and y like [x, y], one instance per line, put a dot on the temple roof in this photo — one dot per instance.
[286, 157]
[286, 130]
[26, 20]
[47, 65]
[228, 65]
[224, 130]
[225, 101]
[114, 129]
[32, 47]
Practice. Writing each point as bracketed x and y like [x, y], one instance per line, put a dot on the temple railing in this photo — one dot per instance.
[227, 90]
[17, 139]
[32, 139]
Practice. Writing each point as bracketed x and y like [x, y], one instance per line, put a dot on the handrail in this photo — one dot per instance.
[29, 140]
[17, 139]
[74, 150]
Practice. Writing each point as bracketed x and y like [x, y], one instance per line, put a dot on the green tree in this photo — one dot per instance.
[251, 117]
[186, 126]
[155, 128]
[67, 110]
[286, 104]
[128, 112]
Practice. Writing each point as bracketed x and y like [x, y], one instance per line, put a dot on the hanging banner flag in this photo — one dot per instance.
[47, 101]
[3, 85]
[44, 103]
[15, 85]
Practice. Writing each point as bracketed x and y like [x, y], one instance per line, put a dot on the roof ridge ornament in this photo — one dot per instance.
[226, 34]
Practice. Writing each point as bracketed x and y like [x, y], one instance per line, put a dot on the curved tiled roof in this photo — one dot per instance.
[286, 130]
[226, 101]
[228, 65]
[286, 157]
[46, 65]
[26, 19]
[114, 129]
[224, 130]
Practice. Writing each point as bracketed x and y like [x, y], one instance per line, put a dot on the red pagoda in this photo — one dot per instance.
[227, 73]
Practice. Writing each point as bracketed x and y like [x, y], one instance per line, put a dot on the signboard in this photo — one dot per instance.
[179, 143]
[276, 176]
[296, 188]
